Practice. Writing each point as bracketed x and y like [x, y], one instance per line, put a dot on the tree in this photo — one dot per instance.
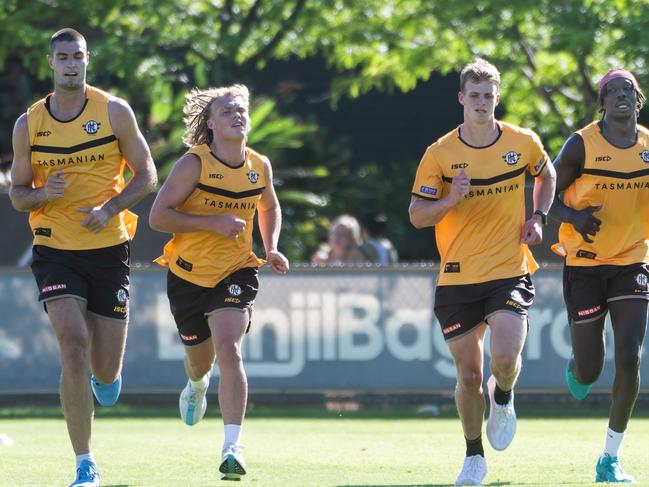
[551, 54]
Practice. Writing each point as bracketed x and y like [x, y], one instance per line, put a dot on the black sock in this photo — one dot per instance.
[502, 397]
[474, 447]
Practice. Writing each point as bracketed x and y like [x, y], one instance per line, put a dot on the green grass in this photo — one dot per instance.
[321, 450]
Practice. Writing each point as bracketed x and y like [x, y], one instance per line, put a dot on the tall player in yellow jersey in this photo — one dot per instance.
[470, 185]
[603, 173]
[209, 202]
[70, 151]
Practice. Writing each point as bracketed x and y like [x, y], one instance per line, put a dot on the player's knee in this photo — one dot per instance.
[75, 350]
[627, 361]
[470, 379]
[505, 362]
[229, 354]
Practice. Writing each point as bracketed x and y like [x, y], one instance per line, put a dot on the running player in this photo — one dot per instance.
[209, 202]
[470, 185]
[70, 151]
[603, 174]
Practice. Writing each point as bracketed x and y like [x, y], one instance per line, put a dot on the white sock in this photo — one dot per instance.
[232, 434]
[613, 442]
[201, 383]
[85, 456]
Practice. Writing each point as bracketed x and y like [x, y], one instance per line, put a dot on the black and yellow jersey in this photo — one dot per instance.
[479, 239]
[206, 258]
[618, 180]
[86, 151]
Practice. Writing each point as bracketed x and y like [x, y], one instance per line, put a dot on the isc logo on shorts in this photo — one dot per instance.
[230, 299]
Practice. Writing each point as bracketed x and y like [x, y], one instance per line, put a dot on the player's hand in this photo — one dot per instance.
[278, 263]
[97, 218]
[54, 186]
[585, 223]
[459, 187]
[532, 233]
[230, 226]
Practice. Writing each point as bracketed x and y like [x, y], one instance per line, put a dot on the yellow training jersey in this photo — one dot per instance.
[479, 239]
[87, 153]
[206, 258]
[617, 179]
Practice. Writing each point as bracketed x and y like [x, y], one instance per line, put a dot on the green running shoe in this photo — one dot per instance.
[576, 388]
[609, 470]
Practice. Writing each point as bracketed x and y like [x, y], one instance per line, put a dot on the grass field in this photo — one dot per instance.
[318, 449]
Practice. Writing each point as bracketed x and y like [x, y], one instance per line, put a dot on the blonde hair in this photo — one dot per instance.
[351, 224]
[477, 71]
[198, 104]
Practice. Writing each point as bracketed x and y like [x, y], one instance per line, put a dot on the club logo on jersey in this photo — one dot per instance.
[234, 290]
[121, 296]
[512, 158]
[642, 280]
[459, 165]
[46, 133]
[427, 190]
[217, 175]
[91, 127]
[644, 155]
[253, 176]
[602, 158]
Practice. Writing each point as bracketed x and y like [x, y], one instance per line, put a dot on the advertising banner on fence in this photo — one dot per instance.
[312, 330]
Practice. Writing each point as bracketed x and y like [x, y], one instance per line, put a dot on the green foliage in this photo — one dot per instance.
[551, 54]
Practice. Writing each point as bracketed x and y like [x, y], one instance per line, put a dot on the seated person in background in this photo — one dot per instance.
[377, 247]
[344, 244]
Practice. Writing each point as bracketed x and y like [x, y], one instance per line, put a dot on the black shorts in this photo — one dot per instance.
[461, 308]
[100, 277]
[191, 304]
[588, 290]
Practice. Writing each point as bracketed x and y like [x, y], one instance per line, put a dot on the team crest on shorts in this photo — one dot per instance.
[641, 280]
[516, 296]
[234, 289]
[512, 158]
[91, 127]
[253, 176]
[644, 155]
[121, 296]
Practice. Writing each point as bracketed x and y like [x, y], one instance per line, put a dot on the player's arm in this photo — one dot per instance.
[542, 197]
[568, 165]
[427, 213]
[181, 182]
[23, 195]
[269, 217]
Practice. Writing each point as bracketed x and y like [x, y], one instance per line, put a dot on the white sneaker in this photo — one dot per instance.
[233, 467]
[193, 403]
[473, 471]
[501, 425]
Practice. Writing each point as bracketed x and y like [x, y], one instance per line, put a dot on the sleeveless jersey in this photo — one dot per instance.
[206, 258]
[617, 179]
[87, 153]
[479, 239]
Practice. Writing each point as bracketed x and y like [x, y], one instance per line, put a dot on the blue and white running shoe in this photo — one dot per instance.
[609, 470]
[87, 475]
[106, 394]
